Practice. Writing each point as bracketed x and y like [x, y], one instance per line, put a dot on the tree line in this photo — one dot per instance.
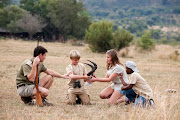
[56, 19]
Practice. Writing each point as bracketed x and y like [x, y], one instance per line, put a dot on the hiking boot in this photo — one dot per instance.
[151, 103]
[27, 100]
[45, 103]
[78, 101]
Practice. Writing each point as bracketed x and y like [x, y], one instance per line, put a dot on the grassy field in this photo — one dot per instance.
[160, 68]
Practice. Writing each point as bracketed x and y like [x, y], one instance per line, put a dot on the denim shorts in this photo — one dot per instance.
[135, 98]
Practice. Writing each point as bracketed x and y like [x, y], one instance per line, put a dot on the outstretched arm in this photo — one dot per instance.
[106, 79]
[55, 74]
[75, 77]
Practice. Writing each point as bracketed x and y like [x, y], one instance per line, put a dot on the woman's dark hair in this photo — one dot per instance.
[114, 58]
[39, 50]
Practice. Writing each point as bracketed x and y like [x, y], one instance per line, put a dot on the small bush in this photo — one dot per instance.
[99, 35]
[145, 42]
[174, 55]
[121, 39]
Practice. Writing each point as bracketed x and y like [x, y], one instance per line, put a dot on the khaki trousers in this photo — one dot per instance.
[85, 99]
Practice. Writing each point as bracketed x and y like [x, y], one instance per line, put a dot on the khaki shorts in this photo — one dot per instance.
[85, 99]
[26, 90]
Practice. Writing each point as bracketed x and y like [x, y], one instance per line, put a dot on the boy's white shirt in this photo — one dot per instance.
[140, 86]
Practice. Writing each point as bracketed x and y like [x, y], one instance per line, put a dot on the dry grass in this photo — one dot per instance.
[160, 73]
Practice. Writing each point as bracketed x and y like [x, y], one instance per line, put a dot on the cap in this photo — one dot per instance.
[131, 65]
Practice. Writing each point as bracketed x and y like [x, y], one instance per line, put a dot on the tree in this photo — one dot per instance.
[29, 5]
[31, 24]
[99, 35]
[80, 25]
[121, 39]
[145, 42]
[68, 17]
[4, 3]
[9, 16]
[137, 25]
[156, 34]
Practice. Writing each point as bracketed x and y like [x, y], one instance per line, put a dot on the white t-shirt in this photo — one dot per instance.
[117, 84]
[140, 86]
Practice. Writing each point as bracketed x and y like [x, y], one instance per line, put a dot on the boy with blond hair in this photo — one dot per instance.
[77, 77]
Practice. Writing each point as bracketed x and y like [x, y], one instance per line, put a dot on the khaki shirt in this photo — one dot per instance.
[140, 86]
[78, 69]
[25, 69]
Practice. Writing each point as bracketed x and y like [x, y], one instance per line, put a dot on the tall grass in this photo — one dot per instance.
[160, 73]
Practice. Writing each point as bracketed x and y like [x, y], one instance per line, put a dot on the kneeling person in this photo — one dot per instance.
[77, 76]
[137, 87]
[26, 77]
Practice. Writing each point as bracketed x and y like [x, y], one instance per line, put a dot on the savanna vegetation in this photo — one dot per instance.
[138, 29]
[57, 19]
[60, 20]
[160, 68]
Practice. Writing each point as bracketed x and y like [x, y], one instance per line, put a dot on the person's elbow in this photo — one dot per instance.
[30, 78]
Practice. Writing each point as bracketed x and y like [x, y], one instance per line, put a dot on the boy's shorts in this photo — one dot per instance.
[26, 90]
[136, 99]
[85, 99]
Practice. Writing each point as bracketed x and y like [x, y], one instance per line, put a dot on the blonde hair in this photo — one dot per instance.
[114, 58]
[74, 54]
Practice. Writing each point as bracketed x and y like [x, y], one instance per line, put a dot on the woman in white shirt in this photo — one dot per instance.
[114, 67]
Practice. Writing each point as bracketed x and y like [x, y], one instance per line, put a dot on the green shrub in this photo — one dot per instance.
[99, 35]
[101, 38]
[121, 38]
[145, 42]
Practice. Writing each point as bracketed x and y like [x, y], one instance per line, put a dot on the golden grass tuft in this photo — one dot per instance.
[160, 73]
[128, 52]
[167, 52]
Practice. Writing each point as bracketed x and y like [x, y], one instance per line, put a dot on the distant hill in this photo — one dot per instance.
[123, 12]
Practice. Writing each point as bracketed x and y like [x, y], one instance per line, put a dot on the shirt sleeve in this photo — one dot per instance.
[26, 69]
[68, 69]
[133, 79]
[43, 68]
[117, 69]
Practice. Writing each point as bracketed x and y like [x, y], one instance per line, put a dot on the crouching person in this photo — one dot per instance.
[137, 91]
[26, 77]
[77, 77]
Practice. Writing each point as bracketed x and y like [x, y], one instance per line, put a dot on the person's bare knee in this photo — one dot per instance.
[50, 79]
[44, 93]
[103, 96]
[114, 97]
[106, 93]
